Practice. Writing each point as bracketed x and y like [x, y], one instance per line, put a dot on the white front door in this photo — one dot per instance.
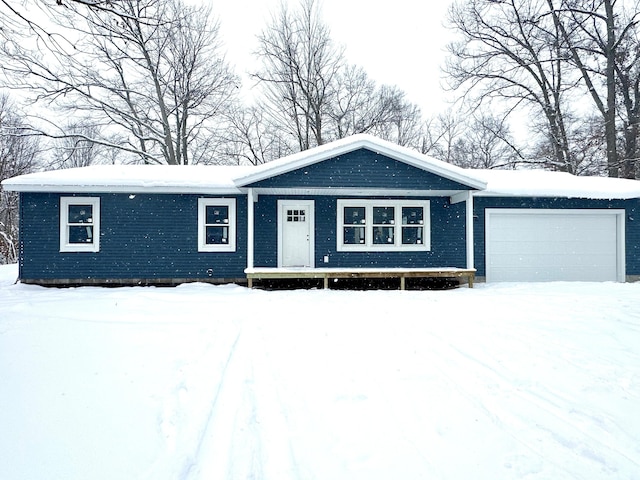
[295, 233]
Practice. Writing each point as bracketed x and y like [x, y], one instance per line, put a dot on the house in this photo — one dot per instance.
[355, 207]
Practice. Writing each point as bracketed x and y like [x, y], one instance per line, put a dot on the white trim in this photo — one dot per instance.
[356, 192]
[203, 203]
[65, 203]
[459, 197]
[251, 199]
[620, 231]
[469, 231]
[310, 205]
[368, 244]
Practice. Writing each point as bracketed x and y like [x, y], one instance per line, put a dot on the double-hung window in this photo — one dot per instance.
[79, 224]
[383, 225]
[216, 225]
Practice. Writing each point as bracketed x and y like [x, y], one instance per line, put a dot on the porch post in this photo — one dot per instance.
[250, 216]
[470, 242]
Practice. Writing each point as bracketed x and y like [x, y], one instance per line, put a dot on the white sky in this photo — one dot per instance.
[398, 43]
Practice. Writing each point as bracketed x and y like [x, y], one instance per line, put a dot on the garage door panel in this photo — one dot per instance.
[551, 248]
[548, 245]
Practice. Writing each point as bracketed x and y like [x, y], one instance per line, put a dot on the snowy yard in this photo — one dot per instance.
[513, 381]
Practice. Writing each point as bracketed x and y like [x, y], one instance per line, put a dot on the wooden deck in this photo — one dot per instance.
[329, 273]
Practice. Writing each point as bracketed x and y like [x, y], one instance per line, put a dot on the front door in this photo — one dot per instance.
[295, 233]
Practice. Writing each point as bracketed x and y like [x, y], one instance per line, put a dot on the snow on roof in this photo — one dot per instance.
[133, 179]
[224, 179]
[542, 183]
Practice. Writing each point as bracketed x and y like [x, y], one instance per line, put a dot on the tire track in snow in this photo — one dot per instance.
[246, 433]
[195, 460]
[544, 418]
[262, 430]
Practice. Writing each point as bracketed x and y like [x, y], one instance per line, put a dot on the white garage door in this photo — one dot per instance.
[549, 245]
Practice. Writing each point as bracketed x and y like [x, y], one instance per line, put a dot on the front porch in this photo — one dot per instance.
[361, 273]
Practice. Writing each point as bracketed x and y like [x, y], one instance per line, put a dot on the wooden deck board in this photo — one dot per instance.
[329, 273]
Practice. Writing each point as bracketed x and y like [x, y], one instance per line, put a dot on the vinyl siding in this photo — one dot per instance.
[361, 169]
[141, 237]
[448, 248]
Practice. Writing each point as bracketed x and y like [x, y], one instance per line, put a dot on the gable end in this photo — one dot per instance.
[362, 168]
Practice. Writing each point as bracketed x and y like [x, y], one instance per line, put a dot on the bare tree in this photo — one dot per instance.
[472, 140]
[361, 106]
[253, 138]
[581, 27]
[442, 133]
[605, 47]
[314, 96]
[510, 51]
[18, 155]
[355, 108]
[401, 121]
[300, 63]
[588, 147]
[149, 68]
[74, 150]
[487, 143]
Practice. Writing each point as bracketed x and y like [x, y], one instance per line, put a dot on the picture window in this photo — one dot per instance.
[383, 225]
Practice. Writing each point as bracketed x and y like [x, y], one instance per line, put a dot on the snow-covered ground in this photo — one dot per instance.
[513, 381]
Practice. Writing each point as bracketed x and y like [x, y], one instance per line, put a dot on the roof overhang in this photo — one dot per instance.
[194, 179]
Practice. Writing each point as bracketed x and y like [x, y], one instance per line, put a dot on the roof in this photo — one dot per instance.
[221, 179]
[132, 179]
[542, 183]
[340, 147]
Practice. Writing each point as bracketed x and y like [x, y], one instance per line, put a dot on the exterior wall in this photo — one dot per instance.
[361, 168]
[142, 236]
[632, 222]
[448, 247]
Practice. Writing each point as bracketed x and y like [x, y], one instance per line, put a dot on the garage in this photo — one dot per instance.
[538, 245]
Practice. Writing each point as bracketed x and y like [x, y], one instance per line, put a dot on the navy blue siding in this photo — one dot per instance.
[448, 247]
[141, 237]
[361, 168]
[632, 223]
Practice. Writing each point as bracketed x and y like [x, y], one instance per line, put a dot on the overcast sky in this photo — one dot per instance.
[398, 42]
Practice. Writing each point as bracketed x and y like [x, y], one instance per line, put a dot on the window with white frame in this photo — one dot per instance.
[79, 224]
[383, 225]
[216, 225]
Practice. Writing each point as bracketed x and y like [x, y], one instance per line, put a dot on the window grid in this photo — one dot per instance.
[296, 216]
[383, 225]
[216, 225]
[79, 224]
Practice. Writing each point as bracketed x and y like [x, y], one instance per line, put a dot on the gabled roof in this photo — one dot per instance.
[227, 180]
[355, 142]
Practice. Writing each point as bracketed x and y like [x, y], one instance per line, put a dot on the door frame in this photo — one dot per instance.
[310, 205]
